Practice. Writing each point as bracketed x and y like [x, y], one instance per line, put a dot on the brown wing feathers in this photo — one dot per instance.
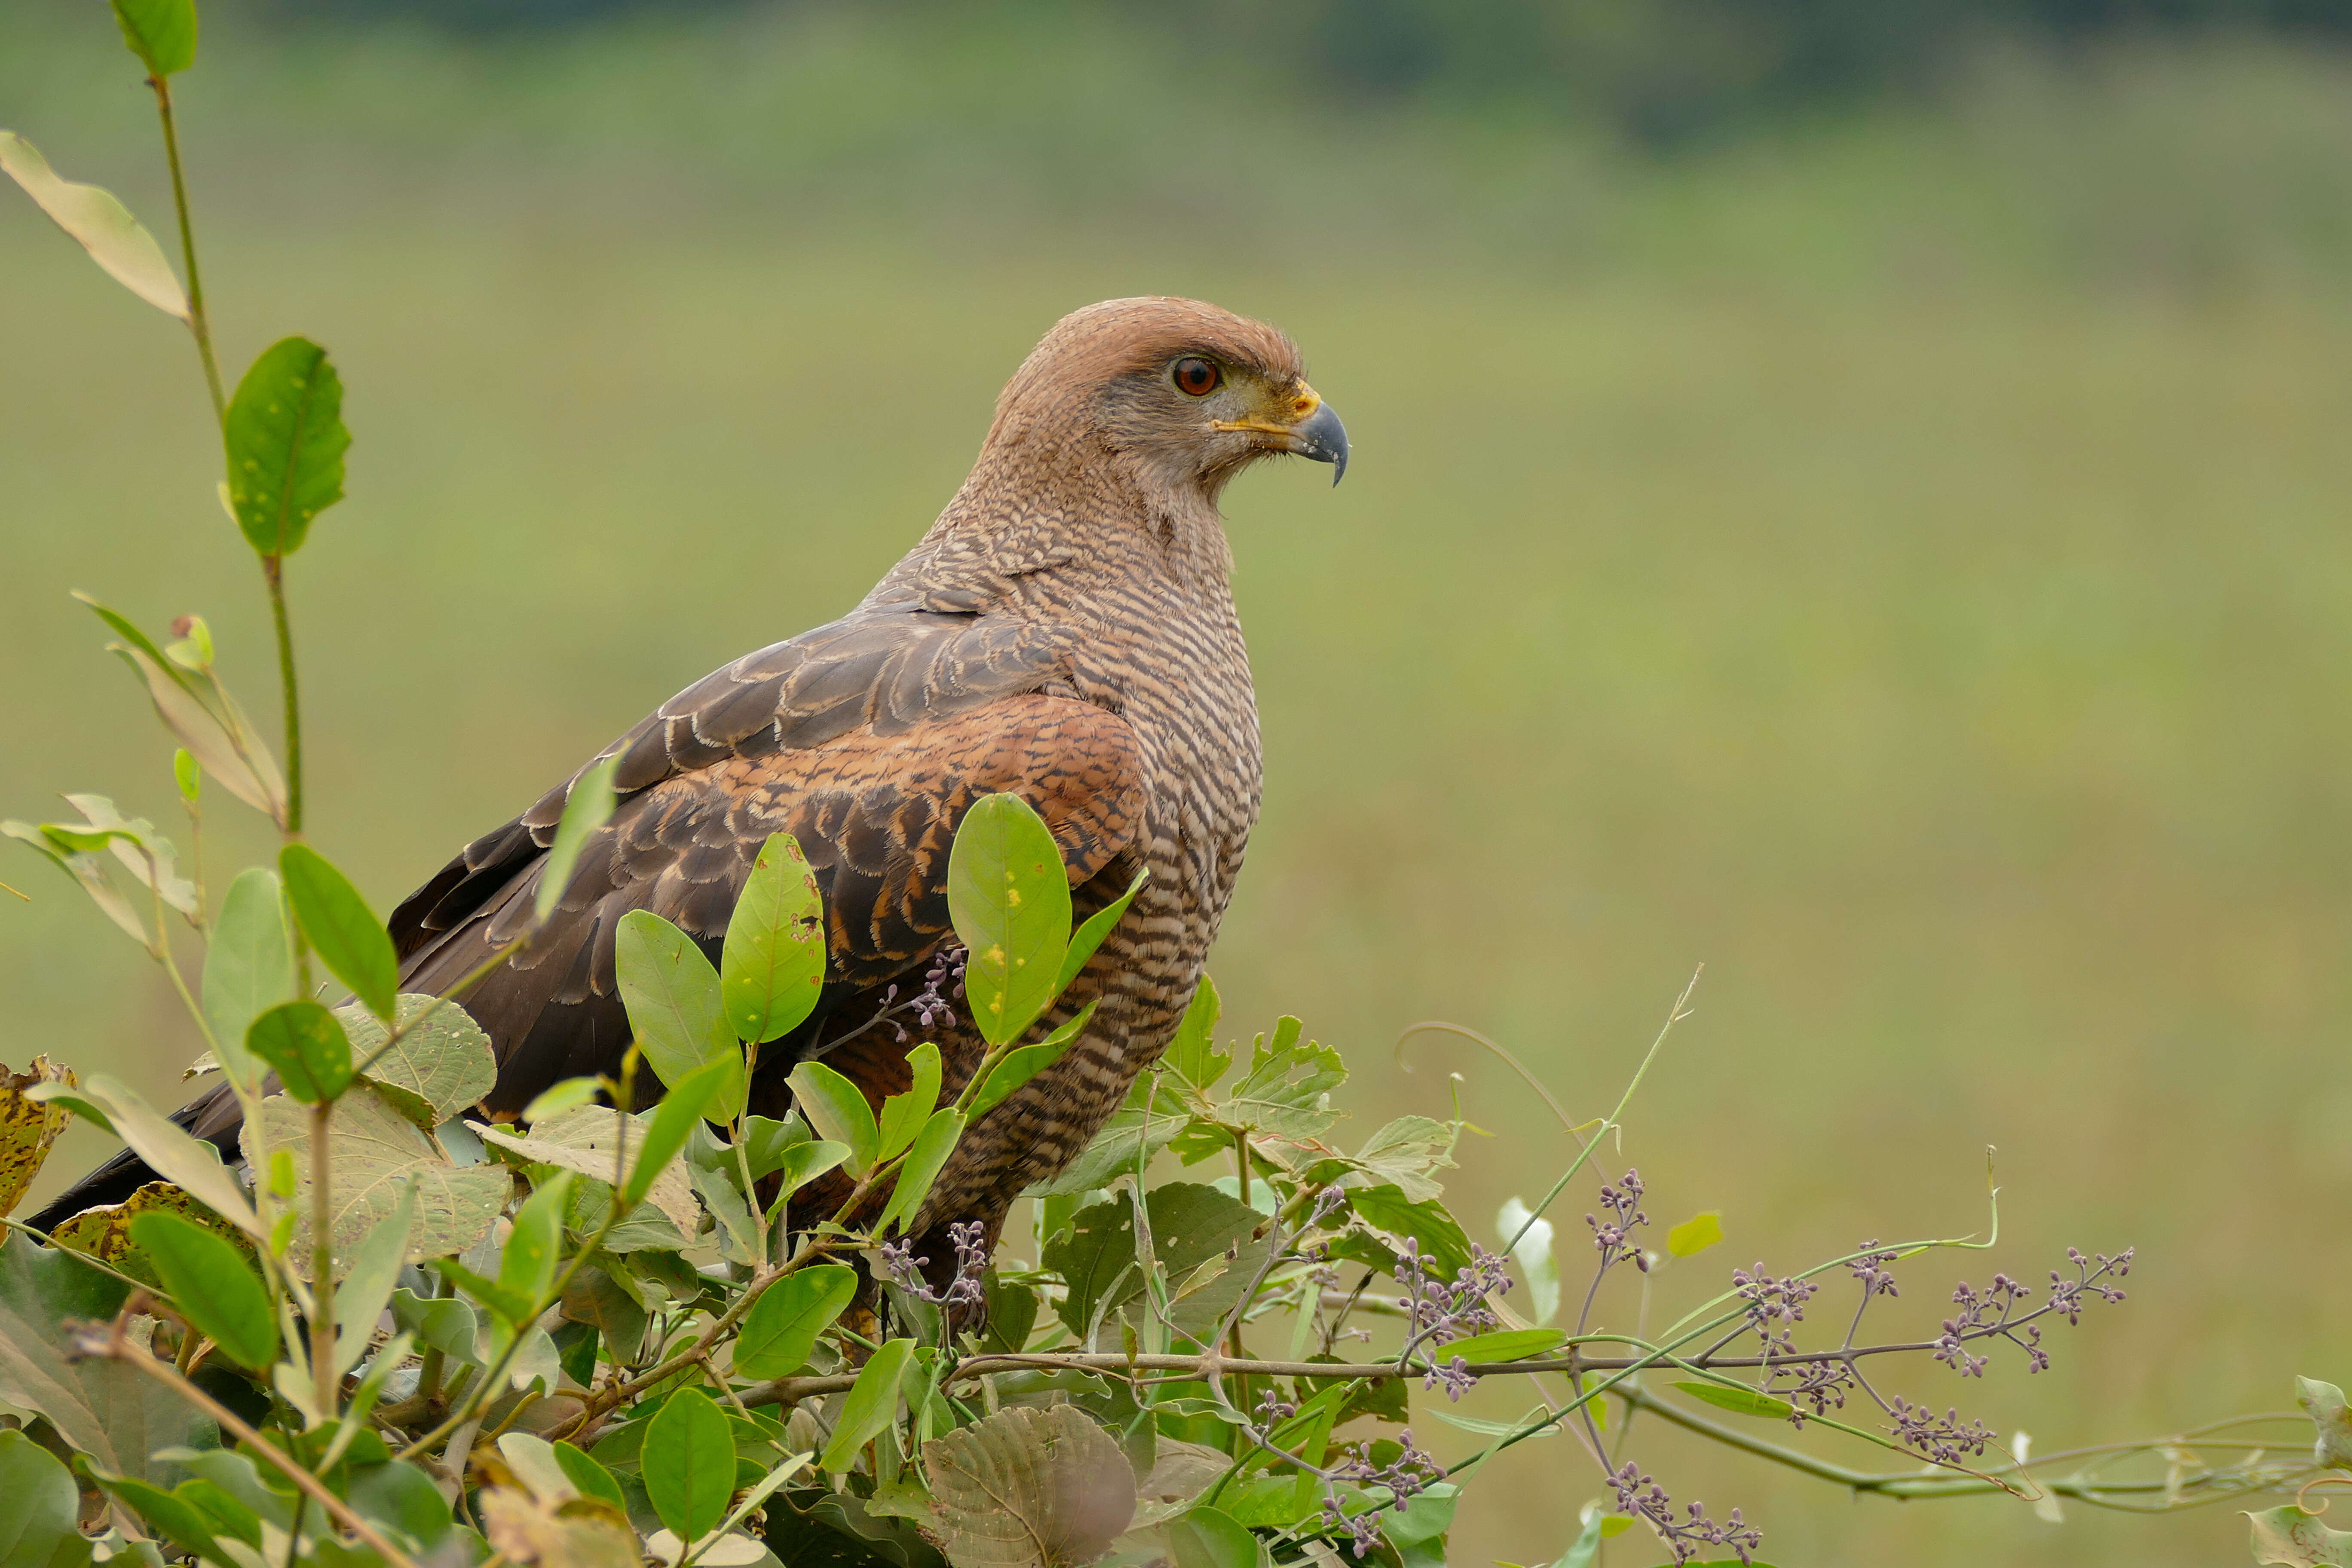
[867, 741]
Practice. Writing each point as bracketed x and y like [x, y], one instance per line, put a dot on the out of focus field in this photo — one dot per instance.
[1900, 562]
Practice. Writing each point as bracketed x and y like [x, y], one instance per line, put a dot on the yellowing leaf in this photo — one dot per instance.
[103, 226]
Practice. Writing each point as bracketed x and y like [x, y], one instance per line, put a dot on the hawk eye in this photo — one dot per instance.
[1197, 377]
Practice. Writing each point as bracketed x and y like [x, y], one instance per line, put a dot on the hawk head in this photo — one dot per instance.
[1186, 395]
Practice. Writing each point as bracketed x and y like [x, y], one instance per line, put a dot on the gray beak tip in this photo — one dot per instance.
[1324, 439]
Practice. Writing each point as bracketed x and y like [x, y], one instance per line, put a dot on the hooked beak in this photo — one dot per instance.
[1315, 432]
[1321, 436]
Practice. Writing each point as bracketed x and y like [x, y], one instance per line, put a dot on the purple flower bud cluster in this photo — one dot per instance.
[1437, 1310]
[1870, 1268]
[2066, 1294]
[1612, 1235]
[1639, 1495]
[1942, 1439]
[1405, 1477]
[906, 1270]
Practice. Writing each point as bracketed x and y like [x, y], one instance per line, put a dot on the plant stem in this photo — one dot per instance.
[198, 325]
[273, 572]
[115, 1349]
[322, 1265]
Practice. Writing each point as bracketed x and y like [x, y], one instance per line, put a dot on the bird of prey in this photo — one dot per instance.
[1065, 631]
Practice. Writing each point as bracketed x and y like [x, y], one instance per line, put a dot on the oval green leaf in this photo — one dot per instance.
[285, 440]
[674, 1008]
[903, 1115]
[213, 1286]
[1090, 936]
[782, 1328]
[1739, 1400]
[343, 931]
[1009, 896]
[1205, 1538]
[690, 1464]
[928, 1156]
[673, 1121]
[43, 1503]
[772, 967]
[249, 967]
[871, 1405]
[837, 1109]
[587, 1477]
[1018, 1066]
[305, 1046]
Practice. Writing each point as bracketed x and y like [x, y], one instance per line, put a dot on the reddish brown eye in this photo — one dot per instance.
[1197, 377]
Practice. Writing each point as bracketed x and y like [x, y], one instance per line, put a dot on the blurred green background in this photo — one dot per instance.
[1852, 495]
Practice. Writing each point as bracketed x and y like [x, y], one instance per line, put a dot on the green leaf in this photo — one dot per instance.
[86, 870]
[204, 719]
[43, 1503]
[766, 1140]
[2289, 1535]
[1404, 1153]
[344, 933]
[187, 775]
[673, 1120]
[1090, 936]
[102, 225]
[1288, 1090]
[1192, 1053]
[1025, 1062]
[690, 1464]
[173, 1516]
[1695, 1233]
[804, 1163]
[871, 1405]
[782, 1328]
[2324, 1403]
[375, 1274]
[1739, 1400]
[442, 1064]
[588, 1477]
[373, 1152]
[135, 844]
[306, 1047]
[1205, 1538]
[286, 441]
[558, 1099]
[189, 1163]
[162, 33]
[1191, 1224]
[1504, 1344]
[924, 1162]
[535, 1248]
[1442, 1244]
[903, 1115]
[589, 1142]
[675, 1006]
[1009, 896]
[587, 806]
[213, 1286]
[249, 967]
[837, 1109]
[772, 969]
